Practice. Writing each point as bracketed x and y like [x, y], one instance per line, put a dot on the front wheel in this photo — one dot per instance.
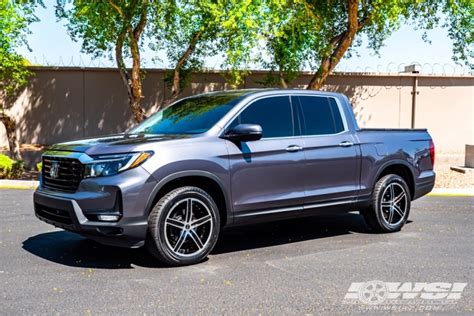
[183, 226]
[390, 205]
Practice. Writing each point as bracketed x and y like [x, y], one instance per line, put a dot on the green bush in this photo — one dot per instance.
[10, 169]
[39, 166]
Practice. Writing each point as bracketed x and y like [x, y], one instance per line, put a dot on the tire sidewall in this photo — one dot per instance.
[160, 238]
[386, 181]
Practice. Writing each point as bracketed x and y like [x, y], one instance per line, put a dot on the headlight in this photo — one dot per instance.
[108, 165]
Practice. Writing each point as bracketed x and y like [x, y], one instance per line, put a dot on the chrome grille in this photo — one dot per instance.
[65, 176]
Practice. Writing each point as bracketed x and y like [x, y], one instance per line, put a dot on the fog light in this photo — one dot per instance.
[108, 218]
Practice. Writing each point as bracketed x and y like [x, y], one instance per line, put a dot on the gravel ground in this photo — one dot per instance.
[293, 267]
[446, 178]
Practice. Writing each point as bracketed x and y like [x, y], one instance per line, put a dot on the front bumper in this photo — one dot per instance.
[125, 194]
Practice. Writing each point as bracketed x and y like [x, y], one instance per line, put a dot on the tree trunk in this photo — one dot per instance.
[283, 82]
[321, 75]
[13, 144]
[176, 86]
[132, 82]
[338, 46]
[136, 83]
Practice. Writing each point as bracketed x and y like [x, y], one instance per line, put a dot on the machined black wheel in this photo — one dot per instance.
[390, 205]
[183, 226]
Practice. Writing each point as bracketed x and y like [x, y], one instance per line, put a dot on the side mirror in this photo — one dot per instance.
[244, 133]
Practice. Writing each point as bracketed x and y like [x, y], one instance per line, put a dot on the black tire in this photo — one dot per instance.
[191, 245]
[385, 214]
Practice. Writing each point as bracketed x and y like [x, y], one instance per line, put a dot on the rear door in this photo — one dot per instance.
[266, 175]
[331, 157]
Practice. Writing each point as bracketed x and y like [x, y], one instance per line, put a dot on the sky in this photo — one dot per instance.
[51, 45]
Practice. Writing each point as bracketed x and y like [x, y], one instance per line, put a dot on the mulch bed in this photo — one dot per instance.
[29, 175]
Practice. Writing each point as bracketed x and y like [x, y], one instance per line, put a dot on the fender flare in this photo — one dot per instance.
[191, 173]
[396, 162]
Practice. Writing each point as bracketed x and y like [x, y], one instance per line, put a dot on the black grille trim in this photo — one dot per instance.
[70, 174]
[55, 215]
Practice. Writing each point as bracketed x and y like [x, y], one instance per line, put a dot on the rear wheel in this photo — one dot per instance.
[183, 226]
[390, 205]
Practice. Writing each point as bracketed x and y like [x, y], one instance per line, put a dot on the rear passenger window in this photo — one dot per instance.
[321, 116]
[273, 114]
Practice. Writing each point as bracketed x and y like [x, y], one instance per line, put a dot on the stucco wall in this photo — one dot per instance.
[70, 103]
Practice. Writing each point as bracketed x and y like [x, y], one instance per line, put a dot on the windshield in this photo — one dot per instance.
[189, 116]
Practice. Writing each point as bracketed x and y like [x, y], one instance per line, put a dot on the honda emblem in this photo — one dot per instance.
[54, 170]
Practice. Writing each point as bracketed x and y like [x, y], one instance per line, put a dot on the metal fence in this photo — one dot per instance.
[446, 69]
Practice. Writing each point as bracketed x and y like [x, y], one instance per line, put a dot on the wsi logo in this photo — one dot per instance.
[378, 292]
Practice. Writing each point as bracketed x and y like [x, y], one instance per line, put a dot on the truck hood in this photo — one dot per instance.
[114, 144]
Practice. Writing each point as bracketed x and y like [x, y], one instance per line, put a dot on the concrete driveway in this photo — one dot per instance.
[294, 267]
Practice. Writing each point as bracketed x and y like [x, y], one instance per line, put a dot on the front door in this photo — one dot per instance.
[266, 175]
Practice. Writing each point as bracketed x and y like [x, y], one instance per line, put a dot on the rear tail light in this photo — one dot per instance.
[432, 153]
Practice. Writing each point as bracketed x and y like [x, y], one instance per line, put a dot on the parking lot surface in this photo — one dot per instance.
[303, 266]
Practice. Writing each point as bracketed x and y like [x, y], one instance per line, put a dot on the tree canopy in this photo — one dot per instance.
[197, 29]
[188, 31]
[15, 17]
[113, 27]
[285, 36]
[317, 34]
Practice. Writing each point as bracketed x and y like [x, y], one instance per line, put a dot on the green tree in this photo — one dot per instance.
[187, 35]
[243, 22]
[15, 17]
[188, 31]
[287, 41]
[112, 27]
[196, 29]
[317, 34]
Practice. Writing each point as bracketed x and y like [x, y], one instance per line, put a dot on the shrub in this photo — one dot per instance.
[39, 166]
[10, 169]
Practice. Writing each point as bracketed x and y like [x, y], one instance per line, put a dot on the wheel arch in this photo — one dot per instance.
[400, 168]
[198, 178]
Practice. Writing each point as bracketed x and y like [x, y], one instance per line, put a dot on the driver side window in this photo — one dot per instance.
[273, 114]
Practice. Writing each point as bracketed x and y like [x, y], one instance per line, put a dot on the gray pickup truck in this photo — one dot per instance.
[230, 158]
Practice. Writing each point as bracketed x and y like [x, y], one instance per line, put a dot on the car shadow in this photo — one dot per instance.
[73, 250]
[289, 231]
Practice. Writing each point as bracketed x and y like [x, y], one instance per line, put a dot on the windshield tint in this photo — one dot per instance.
[189, 116]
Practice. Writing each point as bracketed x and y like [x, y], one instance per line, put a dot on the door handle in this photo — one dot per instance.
[346, 144]
[293, 148]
